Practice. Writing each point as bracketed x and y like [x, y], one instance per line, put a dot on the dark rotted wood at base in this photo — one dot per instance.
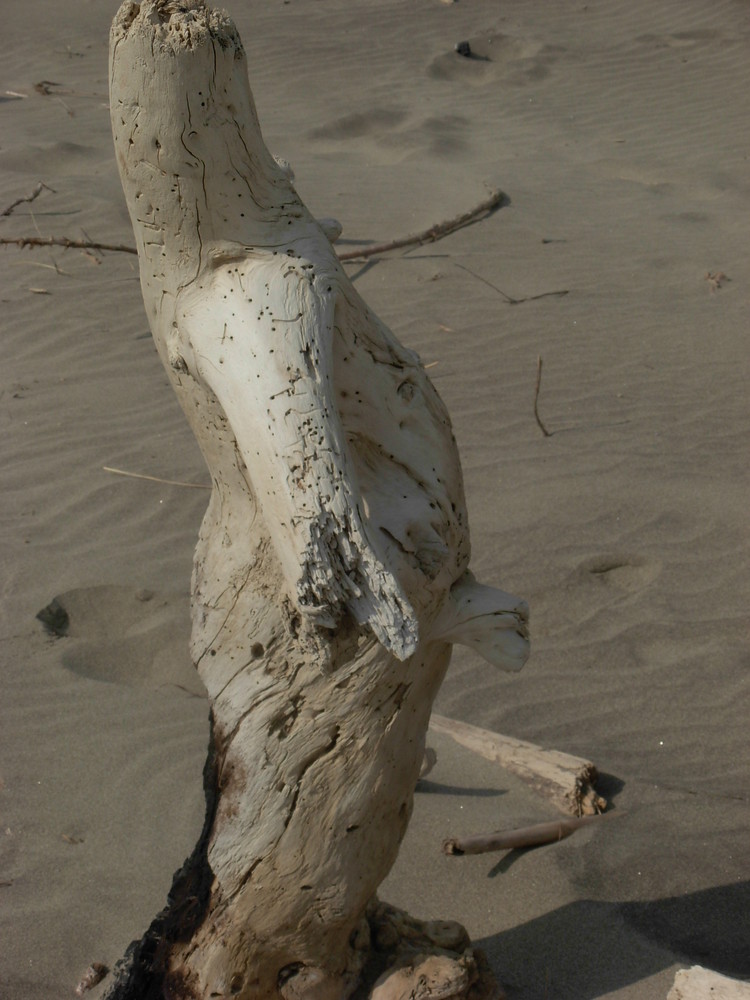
[140, 973]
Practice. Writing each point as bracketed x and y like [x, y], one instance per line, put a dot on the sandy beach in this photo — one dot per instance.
[618, 134]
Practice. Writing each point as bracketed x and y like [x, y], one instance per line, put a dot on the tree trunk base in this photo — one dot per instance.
[412, 959]
[408, 959]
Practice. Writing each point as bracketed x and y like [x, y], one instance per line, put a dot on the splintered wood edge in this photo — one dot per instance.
[698, 983]
[567, 781]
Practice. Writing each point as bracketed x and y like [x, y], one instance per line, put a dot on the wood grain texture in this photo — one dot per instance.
[568, 781]
[331, 573]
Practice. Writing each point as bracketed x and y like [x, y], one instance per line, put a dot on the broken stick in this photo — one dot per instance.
[566, 780]
[527, 836]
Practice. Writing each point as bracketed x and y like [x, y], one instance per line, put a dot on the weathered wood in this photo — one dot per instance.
[701, 984]
[565, 780]
[526, 836]
[330, 576]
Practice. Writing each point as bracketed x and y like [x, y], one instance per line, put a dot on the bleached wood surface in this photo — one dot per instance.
[565, 780]
[330, 576]
[698, 983]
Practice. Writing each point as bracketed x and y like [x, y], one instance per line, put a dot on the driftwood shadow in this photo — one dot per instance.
[587, 949]
[609, 786]
[437, 788]
[508, 859]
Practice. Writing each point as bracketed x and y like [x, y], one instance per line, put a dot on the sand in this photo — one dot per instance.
[619, 134]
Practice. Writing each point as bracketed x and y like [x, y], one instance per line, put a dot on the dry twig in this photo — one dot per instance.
[70, 111]
[536, 397]
[63, 241]
[431, 235]
[156, 479]
[29, 197]
[559, 293]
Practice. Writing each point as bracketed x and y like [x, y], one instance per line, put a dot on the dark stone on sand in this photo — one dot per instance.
[54, 618]
[463, 49]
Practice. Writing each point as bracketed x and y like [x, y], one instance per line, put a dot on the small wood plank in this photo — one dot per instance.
[565, 780]
[703, 984]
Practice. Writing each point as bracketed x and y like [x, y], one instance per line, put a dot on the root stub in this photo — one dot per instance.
[408, 959]
[423, 960]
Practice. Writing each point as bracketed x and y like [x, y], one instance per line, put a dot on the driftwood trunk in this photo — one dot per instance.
[330, 576]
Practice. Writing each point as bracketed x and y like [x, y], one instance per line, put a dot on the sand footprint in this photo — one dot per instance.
[391, 135]
[373, 123]
[679, 39]
[495, 56]
[124, 636]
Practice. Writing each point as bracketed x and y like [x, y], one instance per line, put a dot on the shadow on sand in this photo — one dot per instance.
[587, 949]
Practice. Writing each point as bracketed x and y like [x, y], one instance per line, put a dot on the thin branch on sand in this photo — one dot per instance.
[156, 479]
[536, 397]
[63, 241]
[29, 197]
[509, 298]
[431, 235]
[527, 836]
[434, 233]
